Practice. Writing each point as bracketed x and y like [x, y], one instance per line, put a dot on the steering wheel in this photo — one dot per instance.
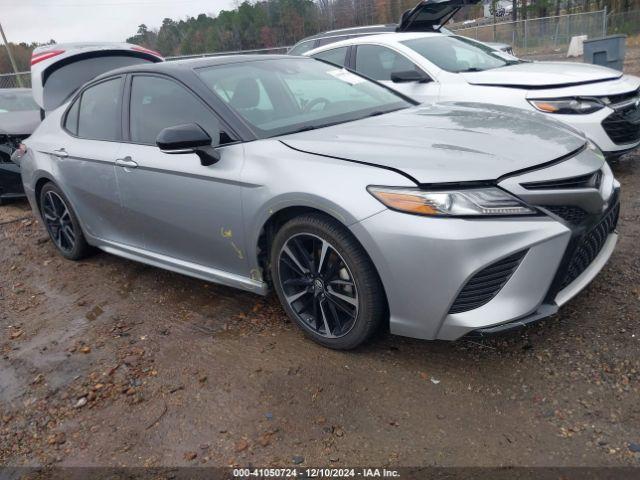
[316, 101]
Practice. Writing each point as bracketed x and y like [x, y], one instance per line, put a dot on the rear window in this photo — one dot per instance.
[99, 111]
[16, 101]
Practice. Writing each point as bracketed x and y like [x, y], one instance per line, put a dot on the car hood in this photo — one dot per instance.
[541, 75]
[19, 123]
[447, 142]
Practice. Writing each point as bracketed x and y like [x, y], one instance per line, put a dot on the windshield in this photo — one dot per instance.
[16, 101]
[458, 54]
[283, 96]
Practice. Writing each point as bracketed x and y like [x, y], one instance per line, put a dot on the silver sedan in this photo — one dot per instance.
[358, 207]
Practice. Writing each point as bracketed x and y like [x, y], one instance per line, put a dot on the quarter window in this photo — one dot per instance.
[99, 111]
[337, 56]
[302, 48]
[71, 122]
[379, 63]
[158, 103]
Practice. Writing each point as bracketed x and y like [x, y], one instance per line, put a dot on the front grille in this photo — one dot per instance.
[486, 284]
[590, 180]
[570, 214]
[623, 126]
[591, 244]
[621, 97]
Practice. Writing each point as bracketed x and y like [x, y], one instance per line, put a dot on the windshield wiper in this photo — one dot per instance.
[305, 129]
[471, 69]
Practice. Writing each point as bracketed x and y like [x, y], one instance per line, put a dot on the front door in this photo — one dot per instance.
[173, 205]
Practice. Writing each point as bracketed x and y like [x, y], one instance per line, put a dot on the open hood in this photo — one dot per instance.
[541, 75]
[430, 15]
[445, 142]
[58, 70]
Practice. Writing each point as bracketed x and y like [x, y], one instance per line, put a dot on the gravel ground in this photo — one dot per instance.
[107, 362]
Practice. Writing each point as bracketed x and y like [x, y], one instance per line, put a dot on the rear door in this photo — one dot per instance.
[85, 156]
[173, 205]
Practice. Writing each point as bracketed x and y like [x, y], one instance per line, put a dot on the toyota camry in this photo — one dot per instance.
[359, 207]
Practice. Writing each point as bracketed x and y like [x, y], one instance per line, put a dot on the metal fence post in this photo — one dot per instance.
[525, 34]
[604, 22]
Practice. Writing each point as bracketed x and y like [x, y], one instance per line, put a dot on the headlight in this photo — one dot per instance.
[455, 203]
[568, 106]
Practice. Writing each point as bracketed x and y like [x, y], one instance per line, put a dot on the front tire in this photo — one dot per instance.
[62, 223]
[326, 282]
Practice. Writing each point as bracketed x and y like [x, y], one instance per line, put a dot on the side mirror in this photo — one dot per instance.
[410, 76]
[189, 138]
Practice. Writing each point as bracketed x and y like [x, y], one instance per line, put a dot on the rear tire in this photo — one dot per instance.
[62, 224]
[326, 282]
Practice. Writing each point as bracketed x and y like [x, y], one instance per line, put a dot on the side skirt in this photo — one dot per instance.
[180, 266]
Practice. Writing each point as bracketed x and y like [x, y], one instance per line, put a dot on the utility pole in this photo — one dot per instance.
[11, 59]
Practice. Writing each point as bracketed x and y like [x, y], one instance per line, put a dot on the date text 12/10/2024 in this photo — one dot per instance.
[315, 473]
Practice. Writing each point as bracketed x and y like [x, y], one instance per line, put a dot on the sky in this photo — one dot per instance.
[94, 20]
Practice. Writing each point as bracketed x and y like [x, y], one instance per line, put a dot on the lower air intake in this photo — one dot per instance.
[486, 284]
[591, 244]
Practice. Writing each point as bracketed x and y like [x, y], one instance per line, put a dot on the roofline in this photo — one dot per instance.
[194, 63]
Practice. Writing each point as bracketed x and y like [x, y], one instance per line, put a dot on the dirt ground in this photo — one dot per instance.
[108, 362]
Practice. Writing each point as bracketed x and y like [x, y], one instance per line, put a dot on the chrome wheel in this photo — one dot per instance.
[318, 285]
[57, 219]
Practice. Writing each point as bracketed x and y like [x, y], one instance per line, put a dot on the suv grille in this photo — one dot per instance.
[591, 244]
[621, 97]
[486, 284]
[623, 126]
[568, 213]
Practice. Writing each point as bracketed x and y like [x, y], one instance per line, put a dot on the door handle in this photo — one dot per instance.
[61, 153]
[126, 162]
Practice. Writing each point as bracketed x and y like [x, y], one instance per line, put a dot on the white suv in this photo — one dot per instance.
[434, 67]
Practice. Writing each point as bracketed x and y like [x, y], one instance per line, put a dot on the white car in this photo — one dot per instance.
[58, 70]
[433, 67]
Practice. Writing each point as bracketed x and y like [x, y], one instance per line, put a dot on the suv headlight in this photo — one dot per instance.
[567, 106]
[469, 202]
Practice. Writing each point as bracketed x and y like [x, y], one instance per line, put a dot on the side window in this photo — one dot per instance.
[99, 111]
[71, 122]
[337, 56]
[379, 63]
[158, 103]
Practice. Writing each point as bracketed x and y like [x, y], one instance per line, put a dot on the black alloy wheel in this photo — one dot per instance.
[318, 285]
[62, 224]
[326, 281]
